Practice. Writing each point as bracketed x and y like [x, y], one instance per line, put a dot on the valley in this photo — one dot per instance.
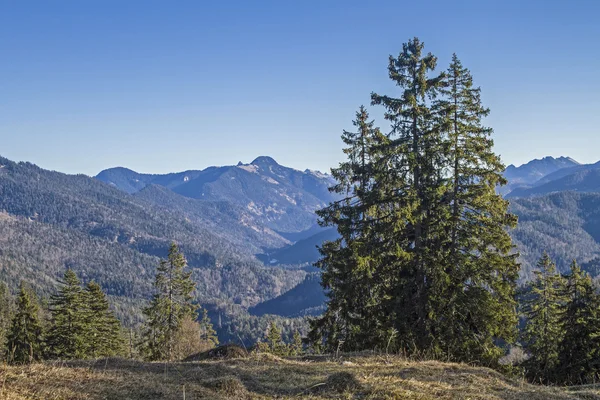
[249, 231]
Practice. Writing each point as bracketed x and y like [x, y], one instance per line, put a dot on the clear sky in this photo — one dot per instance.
[161, 86]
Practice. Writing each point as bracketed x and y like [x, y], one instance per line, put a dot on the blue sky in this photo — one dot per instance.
[161, 86]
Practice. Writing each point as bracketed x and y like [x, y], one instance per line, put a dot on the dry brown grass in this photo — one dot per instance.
[359, 377]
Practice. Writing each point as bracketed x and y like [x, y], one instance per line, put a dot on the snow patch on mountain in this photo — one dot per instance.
[249, 168]
[270, 180]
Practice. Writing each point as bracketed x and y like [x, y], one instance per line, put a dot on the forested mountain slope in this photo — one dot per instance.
[51, 221]
[565, 224]
[308, 298]
[578, 179]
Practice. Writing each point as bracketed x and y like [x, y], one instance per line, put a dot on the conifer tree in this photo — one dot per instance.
[296, 347]
[171, 303]
[473, 302]
[424, 261]
[6, 311]
[579, 350]
[68, 307]
[274, 340]
[543, 310]
[208, 335]
[412, 187]
[349, 263]
[103, 336]
[25, 342]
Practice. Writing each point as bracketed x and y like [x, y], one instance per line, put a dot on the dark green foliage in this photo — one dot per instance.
[6, 311]
[424, 262]
[473, 289]
[103, 336]
[543, 309]
[234, 324]
[579, 350]
[25, 341]
[83, 325]
[170, 305]
[274, 340]
[296, 347]
[67, 337]
[349, 262]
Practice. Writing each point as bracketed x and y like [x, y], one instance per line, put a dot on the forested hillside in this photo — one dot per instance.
[566, 225]
[52, 221]
[580, 180]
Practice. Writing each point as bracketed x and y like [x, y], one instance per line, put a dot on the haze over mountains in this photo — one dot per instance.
[249, 231]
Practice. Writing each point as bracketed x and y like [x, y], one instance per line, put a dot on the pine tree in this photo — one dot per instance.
[68, 307]
[171, 303]
[472, 304]
[208, 335]
[543, 310]
[25, 341]
[103, 336]
[578, 353]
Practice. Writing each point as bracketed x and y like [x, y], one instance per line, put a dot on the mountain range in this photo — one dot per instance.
[276, 197]
[531, 172]
[249, 231]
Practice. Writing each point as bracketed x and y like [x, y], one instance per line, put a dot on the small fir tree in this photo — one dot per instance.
[6, 311]
[296, 348]
[578, 353]
[543, 309]
[25, 341]
[170, 305]
[103, 336]
[208, 335]
[69, 316]
[274, 340]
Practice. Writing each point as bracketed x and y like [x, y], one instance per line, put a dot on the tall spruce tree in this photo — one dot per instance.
[413, 185]
[579, 350]
[69, 319]
[103, 336]
[25, 341]
[171, 303]
[473, 301]
[349, 262]
[543, 309]
[423, 263]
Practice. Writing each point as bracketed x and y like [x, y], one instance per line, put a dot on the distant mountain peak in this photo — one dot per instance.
[264, 160]
[544, 160]
[318, 174]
